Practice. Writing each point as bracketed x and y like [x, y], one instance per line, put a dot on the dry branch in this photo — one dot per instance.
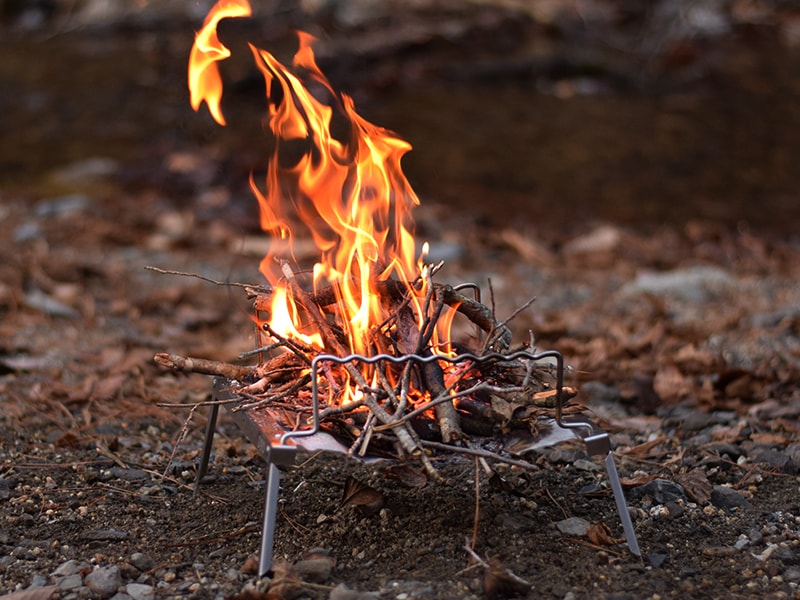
[204, 366]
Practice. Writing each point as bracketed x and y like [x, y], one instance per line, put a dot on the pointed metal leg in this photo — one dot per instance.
[600, 444]
[211, 426]
[622, 507]
[283, 456]
[270, 512]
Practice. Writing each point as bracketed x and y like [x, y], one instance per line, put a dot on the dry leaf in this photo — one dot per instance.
[284, 585]
[250, 566]
[366, 499]
[38, 593]
[696, 484]
[407, 475]
[631, 482]
[600, 535]
[499, 582]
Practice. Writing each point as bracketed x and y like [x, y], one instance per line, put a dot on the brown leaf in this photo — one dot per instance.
[39, 593]
[407, 475]
[366, 499]
[285, 584]
[631, 482]
[499, 582]
[696, 485]
[250, 566]
[600, 535]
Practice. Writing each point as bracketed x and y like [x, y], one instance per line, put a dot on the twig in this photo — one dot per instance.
[249, 286]
[202, 365]
[476, 518]
[181, 435]
[478, 452]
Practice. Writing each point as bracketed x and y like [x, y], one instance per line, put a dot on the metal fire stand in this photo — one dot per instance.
[279, 447]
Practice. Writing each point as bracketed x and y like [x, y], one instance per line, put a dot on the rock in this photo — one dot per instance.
[575, 526]
[70, 582]
[693, 284]
[108, 535]
[662, 491]
[675, 509]
[774, 458]
[37, 300]
[657, 558]
[315, 570]
[104, 581]
[64, 206]
[140, 591]
[342, 592]
[141, 561]
[68, 568]
[727, 498]
[792, 574]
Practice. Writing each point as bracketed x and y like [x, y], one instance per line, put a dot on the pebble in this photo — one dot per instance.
[661, 491]
[68, 568]
[140, 591]
[104, 581]
[141, 561]
[727, 499]
[70, 582]
[693, 284]
[575, 526]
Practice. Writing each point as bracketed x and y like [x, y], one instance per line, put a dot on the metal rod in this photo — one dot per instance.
[211, 426]
[622, 507]
[271, 487]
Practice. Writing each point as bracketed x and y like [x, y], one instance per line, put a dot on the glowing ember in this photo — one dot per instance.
[350, 195]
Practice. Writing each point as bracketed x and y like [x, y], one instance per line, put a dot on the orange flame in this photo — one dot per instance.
[205, 84]
[349, 194]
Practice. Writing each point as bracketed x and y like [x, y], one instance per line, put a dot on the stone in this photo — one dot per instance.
[141, 561]
[692, 284]
[726, 498]
[70, 582]
[104, 581]
[575, 526]
[661, 491]
[68, 568]
[140, 591]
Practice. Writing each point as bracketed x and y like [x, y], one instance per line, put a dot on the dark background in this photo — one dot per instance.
[632, 112]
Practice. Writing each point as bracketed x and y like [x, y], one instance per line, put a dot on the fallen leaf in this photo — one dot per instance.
[367, 500]
[39, 593]
[407, 475]
[600, 535]
[499, 582]
[284, 585]
[696, 485]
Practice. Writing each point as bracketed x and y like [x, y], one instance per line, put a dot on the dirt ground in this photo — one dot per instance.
[678, 315]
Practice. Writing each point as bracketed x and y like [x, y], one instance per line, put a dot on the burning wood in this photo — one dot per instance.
[392, 379]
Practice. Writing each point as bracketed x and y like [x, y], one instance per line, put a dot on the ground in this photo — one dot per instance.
[650, 208]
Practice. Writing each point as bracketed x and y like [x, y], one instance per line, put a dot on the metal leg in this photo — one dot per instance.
[207, 445]
[600, 444]
[272, 485]
[278, 455]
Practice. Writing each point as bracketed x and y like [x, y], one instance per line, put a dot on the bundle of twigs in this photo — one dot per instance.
[401, 406]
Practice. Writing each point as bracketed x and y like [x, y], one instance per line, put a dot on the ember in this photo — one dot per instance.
[370, 300]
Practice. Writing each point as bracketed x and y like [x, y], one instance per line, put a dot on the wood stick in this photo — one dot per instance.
[204, 366]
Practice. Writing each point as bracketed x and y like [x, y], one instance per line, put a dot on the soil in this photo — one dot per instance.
[677, 313]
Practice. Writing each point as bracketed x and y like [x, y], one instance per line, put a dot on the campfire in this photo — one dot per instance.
[371, 296]
[360, 345]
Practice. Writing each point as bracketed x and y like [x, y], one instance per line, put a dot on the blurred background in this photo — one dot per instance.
[543, 112]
